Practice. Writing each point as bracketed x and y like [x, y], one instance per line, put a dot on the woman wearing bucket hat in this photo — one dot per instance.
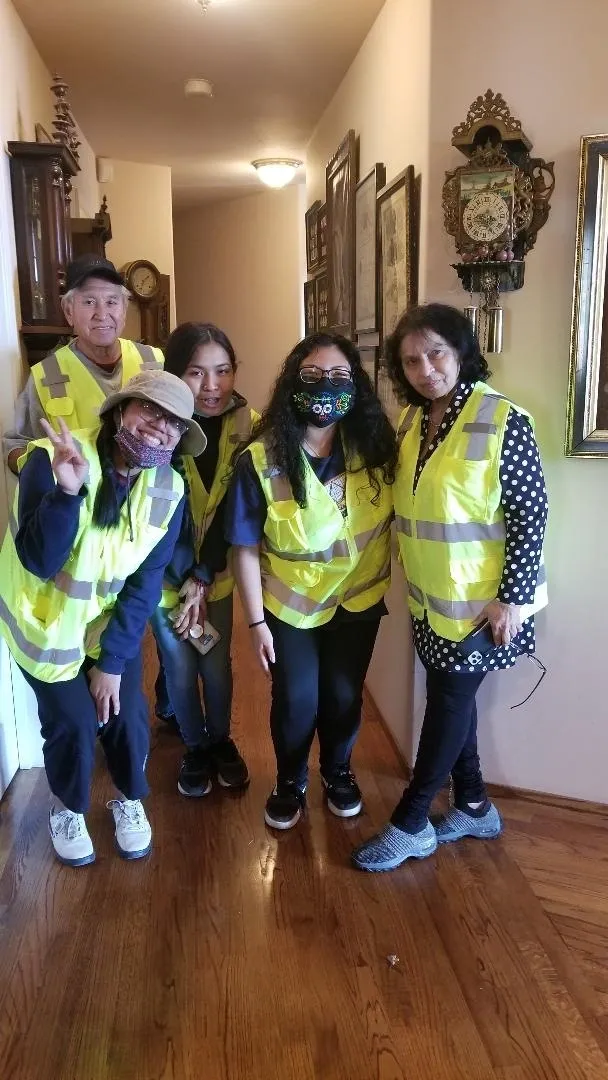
[94, 524]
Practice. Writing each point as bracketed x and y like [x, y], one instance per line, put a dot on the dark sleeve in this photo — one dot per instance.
[246, 507]
[214, 548]
[136, 601]
[48, 518]
[524, 501]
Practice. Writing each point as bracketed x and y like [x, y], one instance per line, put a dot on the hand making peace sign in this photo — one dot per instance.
[70, 468]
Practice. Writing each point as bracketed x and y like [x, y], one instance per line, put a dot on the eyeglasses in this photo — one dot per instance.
[336, 375]
[154, 413]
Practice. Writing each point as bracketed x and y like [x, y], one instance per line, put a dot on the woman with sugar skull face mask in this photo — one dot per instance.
[308, 515]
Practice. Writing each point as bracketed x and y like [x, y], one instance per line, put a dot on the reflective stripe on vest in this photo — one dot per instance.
[312, 558]
[451, 529]
[457, 532]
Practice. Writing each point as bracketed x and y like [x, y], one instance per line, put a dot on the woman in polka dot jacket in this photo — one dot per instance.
[436, 368]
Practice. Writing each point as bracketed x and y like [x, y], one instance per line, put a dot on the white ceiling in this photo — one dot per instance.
[275, 65]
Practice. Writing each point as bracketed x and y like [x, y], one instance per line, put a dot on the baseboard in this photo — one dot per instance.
[496, 791]
[563, 802]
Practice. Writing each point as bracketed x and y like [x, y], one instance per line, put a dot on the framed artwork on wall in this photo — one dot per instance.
[310, 306]
[587, 411]
[397, 249]
[366, 281]
[311, 219]
[321, 302]
[340, 182]
[322, 235]
[369, 362]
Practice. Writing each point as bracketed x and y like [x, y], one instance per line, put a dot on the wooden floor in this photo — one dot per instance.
[234, 953]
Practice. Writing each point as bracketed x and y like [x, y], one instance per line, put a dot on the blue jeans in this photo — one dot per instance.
[184, 666]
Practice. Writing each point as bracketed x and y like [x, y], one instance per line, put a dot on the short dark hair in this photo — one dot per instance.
[453, 327]
[187, 338]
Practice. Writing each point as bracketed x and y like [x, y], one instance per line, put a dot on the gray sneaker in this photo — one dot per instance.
[391, 847]
[455, 825]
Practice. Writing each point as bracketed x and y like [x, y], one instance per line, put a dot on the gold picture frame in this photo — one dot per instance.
[587, 409]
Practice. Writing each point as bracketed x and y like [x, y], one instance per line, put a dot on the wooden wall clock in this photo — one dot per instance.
[494, 207]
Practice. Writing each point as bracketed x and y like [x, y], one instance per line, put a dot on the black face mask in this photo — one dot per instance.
[322, 403]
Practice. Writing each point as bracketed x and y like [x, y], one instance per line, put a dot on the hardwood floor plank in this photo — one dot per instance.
[236, 953]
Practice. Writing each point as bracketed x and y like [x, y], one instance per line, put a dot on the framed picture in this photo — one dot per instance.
[310, 306]
[587, 412]
[366, 283]
[386, 394]
[322, 235]
[321, 302]
[397, 249]
[311, 219]
[369, 361]
[340, 181]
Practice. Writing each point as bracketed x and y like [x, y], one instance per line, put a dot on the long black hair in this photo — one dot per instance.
[366, 430]
[187, 338]
[106, 510]
[453, 327]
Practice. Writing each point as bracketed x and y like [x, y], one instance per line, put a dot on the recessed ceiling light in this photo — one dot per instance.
[276, 172]
[198, 87]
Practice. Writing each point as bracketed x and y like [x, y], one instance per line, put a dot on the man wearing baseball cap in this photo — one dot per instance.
[73, 382]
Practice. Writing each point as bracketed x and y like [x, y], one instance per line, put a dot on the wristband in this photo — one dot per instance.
[258, 623]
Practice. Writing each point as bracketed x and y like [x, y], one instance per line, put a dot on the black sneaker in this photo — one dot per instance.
[344, 797]
[285, 805]
[195, 774]
[229, 766]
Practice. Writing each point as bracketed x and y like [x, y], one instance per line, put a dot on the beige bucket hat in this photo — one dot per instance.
[169, 393]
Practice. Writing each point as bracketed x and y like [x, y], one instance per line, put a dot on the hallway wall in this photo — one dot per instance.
[241, 264]
[386, 101]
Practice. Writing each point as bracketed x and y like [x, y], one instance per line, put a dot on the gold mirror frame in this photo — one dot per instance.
[587, 414]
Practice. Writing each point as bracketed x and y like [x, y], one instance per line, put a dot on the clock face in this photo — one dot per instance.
[486, 216]
[144, 281]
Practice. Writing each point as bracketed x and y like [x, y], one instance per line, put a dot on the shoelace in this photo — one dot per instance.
[68, 823]
[132, 813]
[342, 780]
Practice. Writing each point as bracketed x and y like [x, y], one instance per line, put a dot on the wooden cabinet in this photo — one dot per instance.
[41, 181]
[91, 234]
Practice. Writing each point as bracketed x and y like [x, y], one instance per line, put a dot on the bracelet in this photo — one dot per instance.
[258, 623]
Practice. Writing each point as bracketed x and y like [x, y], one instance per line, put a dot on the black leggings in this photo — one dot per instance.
[448, 744]
[317, 685]
[68, 723]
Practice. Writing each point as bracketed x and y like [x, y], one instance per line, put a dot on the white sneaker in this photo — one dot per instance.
[70, 838]
[133, 832]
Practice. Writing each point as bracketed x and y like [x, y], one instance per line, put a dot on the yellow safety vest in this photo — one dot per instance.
[67, 389]
[50, 626]
[236, 428]
[312, 558]
[451, 531]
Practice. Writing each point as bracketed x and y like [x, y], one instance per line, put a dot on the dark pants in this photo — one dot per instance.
[448, 744]
[163, 707]
[317, 685]
[68, 722]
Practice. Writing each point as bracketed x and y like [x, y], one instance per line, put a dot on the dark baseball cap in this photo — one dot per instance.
[91, 265]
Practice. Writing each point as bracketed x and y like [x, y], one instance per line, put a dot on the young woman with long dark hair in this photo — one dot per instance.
[200, 573]
[94, 524]
[309, 516]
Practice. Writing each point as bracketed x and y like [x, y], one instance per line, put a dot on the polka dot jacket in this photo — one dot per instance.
[524, 502]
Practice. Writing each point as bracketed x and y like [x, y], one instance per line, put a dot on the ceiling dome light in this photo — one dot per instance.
[276, 172]
[198, 88]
